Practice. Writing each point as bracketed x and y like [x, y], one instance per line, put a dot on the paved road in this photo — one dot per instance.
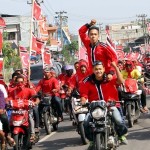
[68, 139]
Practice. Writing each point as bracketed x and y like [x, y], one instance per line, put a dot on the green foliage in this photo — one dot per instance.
[11, 58]
[68, 50]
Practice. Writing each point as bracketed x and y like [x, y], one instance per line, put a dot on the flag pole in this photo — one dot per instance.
[31, 29]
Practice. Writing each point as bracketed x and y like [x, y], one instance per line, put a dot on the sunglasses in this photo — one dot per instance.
[97, 63]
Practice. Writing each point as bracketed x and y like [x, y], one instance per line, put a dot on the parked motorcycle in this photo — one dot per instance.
[103, 126]
[49, 116]
[19, 123]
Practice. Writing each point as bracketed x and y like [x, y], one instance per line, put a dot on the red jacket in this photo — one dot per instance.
[24, 93]
[46, 86]
[79, 76]
[101, 52]
[106, 90]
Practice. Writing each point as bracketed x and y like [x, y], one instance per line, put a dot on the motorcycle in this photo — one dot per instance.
[103, 125]
[19, 123]
[131, 106]
[49, 117]
[79, 112]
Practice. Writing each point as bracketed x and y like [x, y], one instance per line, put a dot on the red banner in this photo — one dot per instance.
[2, 23]
[120, 54]
[46, 58]
[83, 54]
[24, 59]
[37, 11]
[37, 45]
[43, 29]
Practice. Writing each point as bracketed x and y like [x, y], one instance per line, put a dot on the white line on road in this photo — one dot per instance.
[46, 137]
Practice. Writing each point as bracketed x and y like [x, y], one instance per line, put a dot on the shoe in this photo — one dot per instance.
[123, 140]
[32, 137]
[91, 146]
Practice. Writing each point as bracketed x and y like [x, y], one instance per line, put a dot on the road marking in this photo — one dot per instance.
[46, 137]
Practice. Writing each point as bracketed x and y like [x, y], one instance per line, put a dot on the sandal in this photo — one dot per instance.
[3, 146]
[143, 110]
[146, 109]
[11, 142]
[32, 138]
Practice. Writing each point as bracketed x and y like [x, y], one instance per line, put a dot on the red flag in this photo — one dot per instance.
[43, 29]
[46, 58]
[83, 54]
[1, 65]
[37, 45]
[37, 11]
[120, 54]
[23, 49]
[24, 59]
[1, 40]
[2, 23]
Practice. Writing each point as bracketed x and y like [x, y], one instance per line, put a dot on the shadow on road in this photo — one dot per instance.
[139, 135]
[59, 144]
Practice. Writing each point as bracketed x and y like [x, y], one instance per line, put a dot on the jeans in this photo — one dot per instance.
[5, 122]
[36, 116]
[121, 128]
[143, 95]
[56, 101]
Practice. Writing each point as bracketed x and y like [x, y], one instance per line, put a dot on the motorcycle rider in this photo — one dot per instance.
[96, 50]
[130, 72]
[4, 119]
[81, 73]
[20, 91]
[99, 88]
[49, 85]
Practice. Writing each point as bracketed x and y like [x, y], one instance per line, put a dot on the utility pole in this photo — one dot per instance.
[143, 16]
[61, 19]
[100, 29]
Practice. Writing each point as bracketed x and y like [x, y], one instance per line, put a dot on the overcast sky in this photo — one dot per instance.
[82, 11]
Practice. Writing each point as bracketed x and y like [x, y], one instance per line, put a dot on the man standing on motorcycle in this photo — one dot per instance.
[96, 50]
[23, 93]
[49, 85]
[100, 88]
[130, 72]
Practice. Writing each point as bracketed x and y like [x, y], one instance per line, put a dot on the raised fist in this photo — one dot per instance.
[93, 22]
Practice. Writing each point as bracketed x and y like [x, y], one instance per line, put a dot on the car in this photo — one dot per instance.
[37, 71]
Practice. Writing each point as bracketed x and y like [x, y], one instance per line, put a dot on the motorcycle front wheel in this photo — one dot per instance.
[99, 142]
[19, 141]
[47, 123]
[82, 133]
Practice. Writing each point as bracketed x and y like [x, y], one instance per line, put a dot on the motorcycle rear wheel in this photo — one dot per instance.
[47, 123]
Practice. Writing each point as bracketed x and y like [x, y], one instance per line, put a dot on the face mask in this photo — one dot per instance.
[20, 85]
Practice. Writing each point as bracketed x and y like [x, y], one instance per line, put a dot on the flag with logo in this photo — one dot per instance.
[37, 11]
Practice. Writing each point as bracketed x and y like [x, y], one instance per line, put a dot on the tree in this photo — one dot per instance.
[69, 51]
[11, 59]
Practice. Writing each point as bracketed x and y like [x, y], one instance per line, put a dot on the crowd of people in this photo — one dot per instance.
[101, 74]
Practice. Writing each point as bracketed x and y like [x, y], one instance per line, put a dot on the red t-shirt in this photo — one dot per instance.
[103, 91]
[46, 86]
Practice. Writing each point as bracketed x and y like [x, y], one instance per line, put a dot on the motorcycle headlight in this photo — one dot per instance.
[98, 113]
